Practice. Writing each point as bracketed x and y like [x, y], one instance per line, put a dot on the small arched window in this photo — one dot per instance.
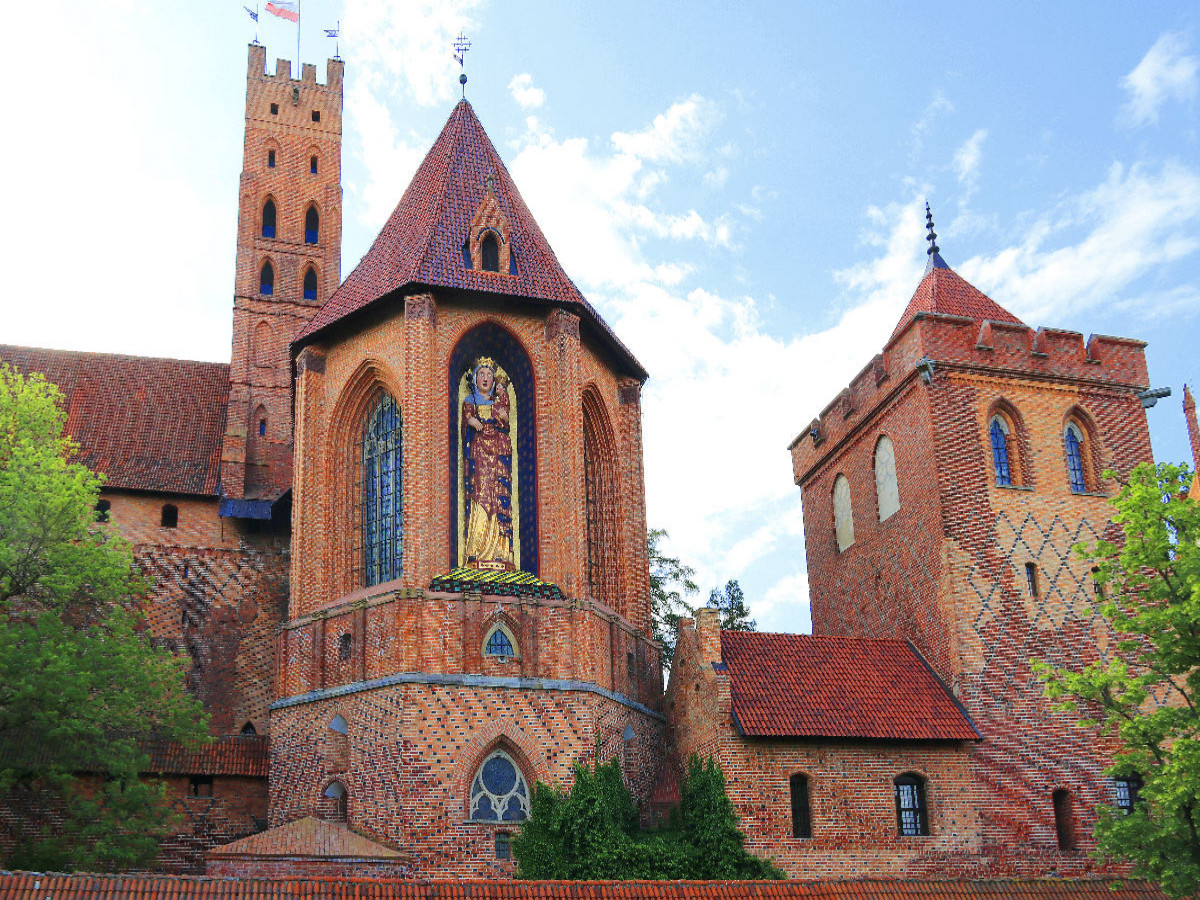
[843, 513]
[311, 225]
[266, 280]
[499, 792]
[262, 427]
[801, 811]
[312, 165]
[1076, 473]
[1001, 462]
[310, 284]
[336, 795]
[270, 159]
[248, 730]
[382, 519]
[887, 489]
[339, 724]
[500, 643]
[102, 508]
[1064, 819]
[489, 252]
[912, 816]
[170, 515]
[268, 219]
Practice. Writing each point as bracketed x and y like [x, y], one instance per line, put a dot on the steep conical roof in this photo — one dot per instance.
[944, 292]
[422, 242]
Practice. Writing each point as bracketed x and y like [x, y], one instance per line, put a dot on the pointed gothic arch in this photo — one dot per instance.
[600, 493]
[491, 340]
[350, 499]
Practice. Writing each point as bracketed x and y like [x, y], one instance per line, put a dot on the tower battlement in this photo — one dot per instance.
[257, 69]
[964, 344]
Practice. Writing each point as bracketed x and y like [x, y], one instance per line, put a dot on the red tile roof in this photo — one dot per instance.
[801, 685]
[147, 424]
[229, 755]
[308, 837]
[35, 886]
[422, 242]
[945, 292]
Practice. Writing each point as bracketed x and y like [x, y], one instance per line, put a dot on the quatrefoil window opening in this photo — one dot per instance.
[499, 792]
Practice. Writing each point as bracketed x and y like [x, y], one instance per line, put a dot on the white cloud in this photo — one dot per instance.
[937, 107]
[786, 601]
[673, 136]
[1165, 73]
[967, 158]
[523, 91]
[1090, 248]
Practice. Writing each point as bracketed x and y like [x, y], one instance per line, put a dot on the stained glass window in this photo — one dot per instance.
[911, 817]
[382, 493]
[268, 219]
[311, 225]
[1000, 464]
[499, 792]
[1074, 438]
[499, 644]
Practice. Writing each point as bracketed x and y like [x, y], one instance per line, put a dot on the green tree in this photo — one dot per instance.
[670, 582]
[80, 682]
[591, 832]
[1150, 695]
[731, 604]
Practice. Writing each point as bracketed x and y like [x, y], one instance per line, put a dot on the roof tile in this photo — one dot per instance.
[226, 755]
[802, 685]
[944, 292]
[422, 242]
[146, 424]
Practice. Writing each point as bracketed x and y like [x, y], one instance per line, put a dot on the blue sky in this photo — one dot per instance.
[738, 189]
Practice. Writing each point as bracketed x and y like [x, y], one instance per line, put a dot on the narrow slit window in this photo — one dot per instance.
[1031, 580]
[312, 165]
[266, 280]
[1000, 459]
[1075, 471]
[310, 284]
[262, 427]
[801, 810]
[843, 513]
[270, 159]
[268, 219]
[345, 647]
[311, 225]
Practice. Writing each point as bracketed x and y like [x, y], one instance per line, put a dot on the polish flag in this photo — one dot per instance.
[285, 9]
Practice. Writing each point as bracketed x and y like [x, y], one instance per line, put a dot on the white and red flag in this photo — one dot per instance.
[285, 9]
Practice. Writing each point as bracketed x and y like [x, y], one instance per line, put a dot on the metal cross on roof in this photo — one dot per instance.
[461, 46]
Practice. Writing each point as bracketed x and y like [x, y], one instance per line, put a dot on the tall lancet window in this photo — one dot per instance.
[598, 455]
[382, 492]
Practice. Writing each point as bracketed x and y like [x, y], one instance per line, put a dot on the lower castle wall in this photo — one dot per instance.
[413, 750]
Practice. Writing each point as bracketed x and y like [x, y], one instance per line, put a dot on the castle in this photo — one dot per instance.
[402, 538]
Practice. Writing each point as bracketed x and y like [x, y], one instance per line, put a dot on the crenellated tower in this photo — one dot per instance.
[289, 245]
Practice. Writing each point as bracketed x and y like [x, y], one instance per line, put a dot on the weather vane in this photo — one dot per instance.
[461, 46]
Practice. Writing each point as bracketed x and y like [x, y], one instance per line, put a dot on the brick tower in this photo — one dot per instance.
[289, 249]
[943, 491]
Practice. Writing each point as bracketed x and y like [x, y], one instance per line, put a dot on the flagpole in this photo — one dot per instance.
[299, 65]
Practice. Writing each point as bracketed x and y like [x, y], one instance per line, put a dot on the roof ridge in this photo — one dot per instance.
[110, 355]
[453, 128]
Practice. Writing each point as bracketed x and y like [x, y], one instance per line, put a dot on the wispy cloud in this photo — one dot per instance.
[674, 135]
[1165, 73]
[967, 158]
[1090, 248]
[937, 107]
[525, 93]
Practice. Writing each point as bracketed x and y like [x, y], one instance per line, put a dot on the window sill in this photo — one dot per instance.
[1103, 494]
[1014, 487]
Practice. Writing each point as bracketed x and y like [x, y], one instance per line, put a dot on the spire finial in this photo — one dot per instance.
[932, 236]
[461, 46]
[935, 257]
